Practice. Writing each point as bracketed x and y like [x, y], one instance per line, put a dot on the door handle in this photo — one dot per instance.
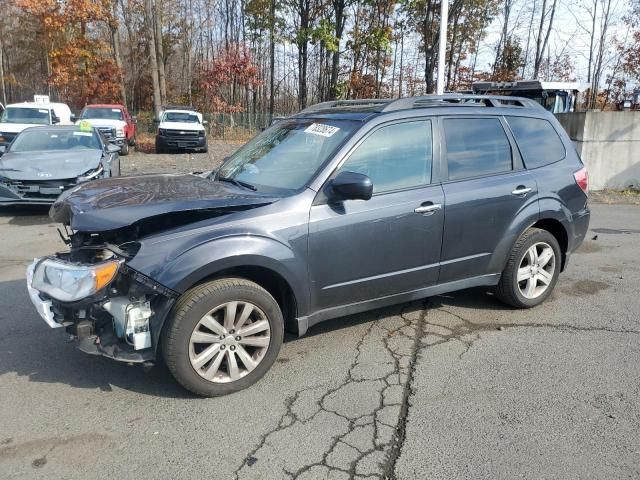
[428, 209]
[521, 190]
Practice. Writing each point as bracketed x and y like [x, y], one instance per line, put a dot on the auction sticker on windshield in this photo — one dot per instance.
[321, 129]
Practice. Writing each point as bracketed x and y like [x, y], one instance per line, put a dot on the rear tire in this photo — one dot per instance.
[532, 270]
[222, 336]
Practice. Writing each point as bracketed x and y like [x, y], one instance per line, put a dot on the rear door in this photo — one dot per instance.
[487, 188]
[360, 250]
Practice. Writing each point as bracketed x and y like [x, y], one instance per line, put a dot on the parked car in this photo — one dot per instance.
[181, 128]
[43, 162]
[114, 122]
[18, 116]
[345, 207]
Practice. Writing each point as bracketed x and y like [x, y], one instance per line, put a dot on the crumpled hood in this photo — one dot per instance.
[48, 165]
[186, 126]
[118, 202]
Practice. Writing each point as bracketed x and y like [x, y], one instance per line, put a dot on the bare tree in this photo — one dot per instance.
[151, 40]
[543, 37]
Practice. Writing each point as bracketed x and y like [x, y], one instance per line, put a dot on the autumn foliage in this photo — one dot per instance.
[228, 74]
[81, 66]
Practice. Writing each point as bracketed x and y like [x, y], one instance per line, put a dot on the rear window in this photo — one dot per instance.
[476, 147]
[537, 140]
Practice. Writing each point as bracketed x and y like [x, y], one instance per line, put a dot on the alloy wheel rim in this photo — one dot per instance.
[536, 270]
[229, 342]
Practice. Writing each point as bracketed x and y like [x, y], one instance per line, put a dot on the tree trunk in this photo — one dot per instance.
[115, 43]
[272, 60]
[541, 43]
[338, 6]
[4, 88]
[160, 52]
[157, 102]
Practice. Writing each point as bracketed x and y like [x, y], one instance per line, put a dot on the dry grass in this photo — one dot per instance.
[628, 196]
[146, 142]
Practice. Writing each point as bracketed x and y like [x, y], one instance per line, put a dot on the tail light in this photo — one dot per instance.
[582, 179]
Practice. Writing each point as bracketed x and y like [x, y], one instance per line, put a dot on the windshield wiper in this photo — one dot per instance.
[238, 183]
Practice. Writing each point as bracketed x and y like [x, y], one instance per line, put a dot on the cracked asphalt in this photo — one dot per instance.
[455, 386]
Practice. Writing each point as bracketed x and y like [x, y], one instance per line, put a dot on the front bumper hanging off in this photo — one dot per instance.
[122, 322]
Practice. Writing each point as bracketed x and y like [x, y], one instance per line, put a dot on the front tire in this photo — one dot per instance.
[222, 336]
[124, 150]
[532, 270]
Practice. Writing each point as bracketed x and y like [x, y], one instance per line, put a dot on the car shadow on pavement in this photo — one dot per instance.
[26, 215]
[480, 298]
[29, 348]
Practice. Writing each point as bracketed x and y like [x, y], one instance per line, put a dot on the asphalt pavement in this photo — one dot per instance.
[453, 387]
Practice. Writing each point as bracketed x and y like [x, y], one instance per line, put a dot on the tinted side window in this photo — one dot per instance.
[537, 140]
[476, 146]
[395, 157]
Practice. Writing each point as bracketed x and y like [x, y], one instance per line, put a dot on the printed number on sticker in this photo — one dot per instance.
[321, 129]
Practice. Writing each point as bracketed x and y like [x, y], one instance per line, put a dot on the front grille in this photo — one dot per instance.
[42, 189]
[181, 133]
[6, 137]
[108, 132]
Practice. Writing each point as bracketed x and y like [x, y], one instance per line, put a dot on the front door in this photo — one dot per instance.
[361, 250]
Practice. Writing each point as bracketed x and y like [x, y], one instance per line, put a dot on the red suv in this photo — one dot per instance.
[114, 122]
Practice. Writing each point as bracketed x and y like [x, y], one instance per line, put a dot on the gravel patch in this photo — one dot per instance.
[137, 163]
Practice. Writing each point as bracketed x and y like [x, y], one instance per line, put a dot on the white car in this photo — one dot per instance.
[181, 129]
[18, 116]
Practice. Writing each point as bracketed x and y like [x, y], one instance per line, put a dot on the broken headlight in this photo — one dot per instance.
[91, 174]
[69, 282]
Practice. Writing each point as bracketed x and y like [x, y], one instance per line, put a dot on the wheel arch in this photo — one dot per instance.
[267, 262]
[269, 279]
[558, 230]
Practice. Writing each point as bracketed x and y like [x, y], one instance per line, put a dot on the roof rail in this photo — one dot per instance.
[462, 100]
[448, 99]
[348, 103]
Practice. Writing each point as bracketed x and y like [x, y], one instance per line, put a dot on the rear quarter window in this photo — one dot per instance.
[476, 147]
[537, 140]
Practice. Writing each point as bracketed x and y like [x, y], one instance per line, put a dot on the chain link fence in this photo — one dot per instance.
[220, 126]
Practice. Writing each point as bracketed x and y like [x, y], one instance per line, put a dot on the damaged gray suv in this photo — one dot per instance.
[344, 207]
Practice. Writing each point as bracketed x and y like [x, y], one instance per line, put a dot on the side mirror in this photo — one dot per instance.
[156, 121]
[72, 118]
[352, 186]
[204, 122]
[3, 149]
[111, 148]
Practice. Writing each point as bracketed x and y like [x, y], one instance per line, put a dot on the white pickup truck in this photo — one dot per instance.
[18, 116]
[181, 128]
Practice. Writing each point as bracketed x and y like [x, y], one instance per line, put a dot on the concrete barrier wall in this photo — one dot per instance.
[609, 144]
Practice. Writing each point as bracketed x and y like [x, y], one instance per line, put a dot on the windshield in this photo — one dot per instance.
[180, 117]
[101, 114]
[285, 157]
[38, 116]
[39, 139]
